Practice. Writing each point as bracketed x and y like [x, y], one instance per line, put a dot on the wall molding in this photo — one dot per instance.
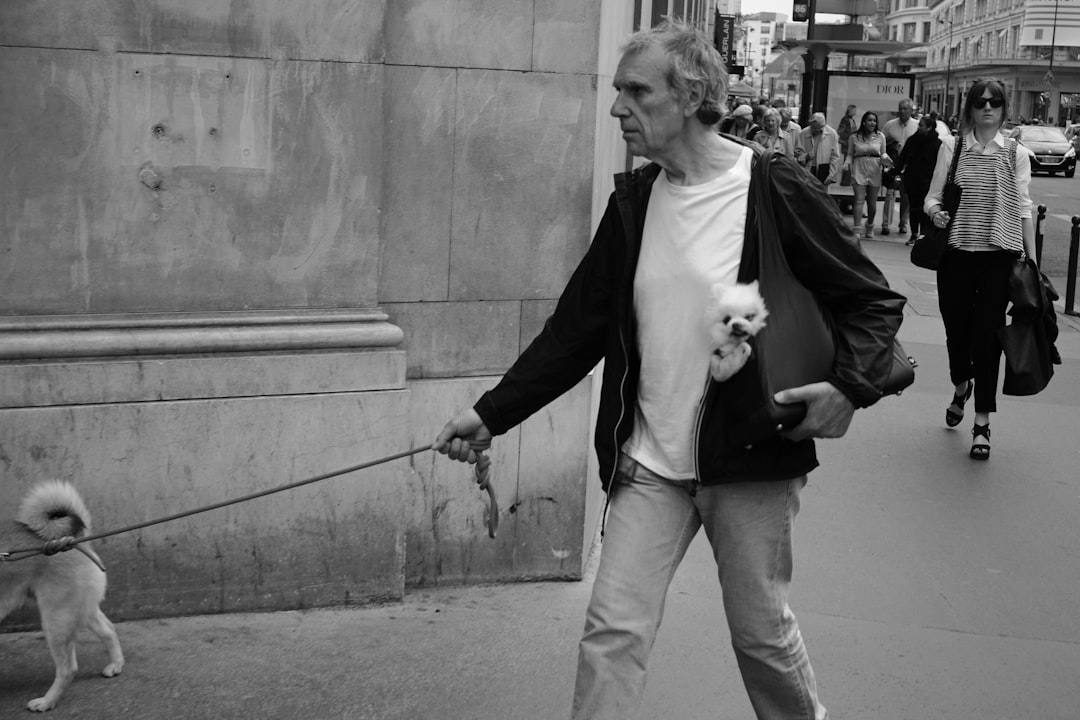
[31, 337]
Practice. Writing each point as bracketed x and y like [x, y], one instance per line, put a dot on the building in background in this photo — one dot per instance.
[1032, 46]
[907, 21]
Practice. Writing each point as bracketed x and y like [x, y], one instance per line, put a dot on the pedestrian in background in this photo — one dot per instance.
[672, 230]
[988, 232]
[916, 166]
[787, 124]
[943, 130]
[846, 126]
[897, 131]
[758, 115]
[772, 137]
[817, 148]
[741, 123]
[865, 159]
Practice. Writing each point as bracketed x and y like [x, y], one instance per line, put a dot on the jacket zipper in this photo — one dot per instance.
[699, 422]
[615, 432]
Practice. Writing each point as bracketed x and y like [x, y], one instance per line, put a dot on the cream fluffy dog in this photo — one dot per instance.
[68, 586]
[733, 314]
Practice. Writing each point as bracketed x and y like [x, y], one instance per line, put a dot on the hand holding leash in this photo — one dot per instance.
[465, 438]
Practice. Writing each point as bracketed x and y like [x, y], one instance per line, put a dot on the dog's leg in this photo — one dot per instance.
[103, 628]
[61, 637]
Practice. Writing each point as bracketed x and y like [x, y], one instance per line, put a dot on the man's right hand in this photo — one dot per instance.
[463, 437]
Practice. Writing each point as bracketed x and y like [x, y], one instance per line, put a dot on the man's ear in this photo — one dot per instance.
[695, 95]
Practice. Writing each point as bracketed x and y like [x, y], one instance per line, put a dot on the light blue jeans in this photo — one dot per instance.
[650, 523]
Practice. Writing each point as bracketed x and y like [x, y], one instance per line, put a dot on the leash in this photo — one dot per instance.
[482, 471]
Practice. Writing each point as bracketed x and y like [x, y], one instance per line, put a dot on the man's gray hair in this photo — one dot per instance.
[693, 59]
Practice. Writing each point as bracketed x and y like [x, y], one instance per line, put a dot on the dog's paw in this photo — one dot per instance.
[112, 669]
[40, 705]
[723, 367]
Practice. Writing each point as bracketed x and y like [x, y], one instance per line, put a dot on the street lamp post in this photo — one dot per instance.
[1050, 72]
[948, 66]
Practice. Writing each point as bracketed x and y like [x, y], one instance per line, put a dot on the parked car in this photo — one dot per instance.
[1052, 151]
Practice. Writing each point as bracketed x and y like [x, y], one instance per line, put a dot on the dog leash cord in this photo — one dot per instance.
[54, 546]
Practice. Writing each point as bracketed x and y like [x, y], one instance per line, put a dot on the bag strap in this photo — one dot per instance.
[767, 237]
[955, 160]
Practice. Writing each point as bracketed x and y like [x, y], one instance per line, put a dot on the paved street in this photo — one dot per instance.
[929, 587]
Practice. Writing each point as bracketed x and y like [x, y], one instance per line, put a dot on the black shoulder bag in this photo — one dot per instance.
[928, 249]
[795, 348]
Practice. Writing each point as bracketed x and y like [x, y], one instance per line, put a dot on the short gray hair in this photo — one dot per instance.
[693, 59]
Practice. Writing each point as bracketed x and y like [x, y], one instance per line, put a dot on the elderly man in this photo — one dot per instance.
[673, 230]
[817, 148]
[897, 131]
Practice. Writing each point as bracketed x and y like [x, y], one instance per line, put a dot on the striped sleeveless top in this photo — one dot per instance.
[989, 212]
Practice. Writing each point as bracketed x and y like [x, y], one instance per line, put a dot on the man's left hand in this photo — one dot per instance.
[828, 411]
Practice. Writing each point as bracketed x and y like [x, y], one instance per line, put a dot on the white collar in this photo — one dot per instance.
[972, 143]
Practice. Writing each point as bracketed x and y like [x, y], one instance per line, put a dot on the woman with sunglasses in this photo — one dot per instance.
[865, 158]
[989, 230]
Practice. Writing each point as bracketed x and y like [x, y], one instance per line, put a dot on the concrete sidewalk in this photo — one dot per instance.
[928, 587]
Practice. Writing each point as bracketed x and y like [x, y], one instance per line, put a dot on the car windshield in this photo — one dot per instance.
[1042, 134]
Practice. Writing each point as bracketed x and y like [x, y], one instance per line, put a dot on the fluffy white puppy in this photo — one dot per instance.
[733, 314]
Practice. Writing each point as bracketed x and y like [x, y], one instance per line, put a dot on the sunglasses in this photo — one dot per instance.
[981, 102]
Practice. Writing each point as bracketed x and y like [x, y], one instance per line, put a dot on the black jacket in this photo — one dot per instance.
[916, 162]
[594, 321]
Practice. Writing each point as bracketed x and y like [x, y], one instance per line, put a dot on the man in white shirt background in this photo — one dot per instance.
[897, 131]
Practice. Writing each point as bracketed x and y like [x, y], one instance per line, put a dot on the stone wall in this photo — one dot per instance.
[246, 243]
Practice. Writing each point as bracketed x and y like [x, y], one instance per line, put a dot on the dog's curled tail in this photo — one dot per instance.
[53, 510]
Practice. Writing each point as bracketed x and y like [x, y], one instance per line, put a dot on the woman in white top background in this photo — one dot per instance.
[989, 230]
[865, 158]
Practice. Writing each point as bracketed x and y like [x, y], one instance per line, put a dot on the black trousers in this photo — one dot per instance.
[973, 293]
[920, 223]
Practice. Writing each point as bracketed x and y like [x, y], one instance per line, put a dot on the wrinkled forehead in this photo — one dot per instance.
[649, 64]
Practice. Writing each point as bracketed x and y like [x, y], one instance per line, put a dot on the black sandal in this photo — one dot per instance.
[954, 414]
[980, 451]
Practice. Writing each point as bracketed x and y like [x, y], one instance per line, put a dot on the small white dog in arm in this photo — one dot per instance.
[733, 314]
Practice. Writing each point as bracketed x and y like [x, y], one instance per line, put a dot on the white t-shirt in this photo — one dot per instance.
[693, 238]
[899, 131]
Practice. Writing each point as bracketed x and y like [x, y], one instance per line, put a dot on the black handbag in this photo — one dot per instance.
[796, 320]
[927, 250]
[1028, 342]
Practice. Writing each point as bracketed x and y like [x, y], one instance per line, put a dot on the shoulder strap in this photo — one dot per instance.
[955, 158]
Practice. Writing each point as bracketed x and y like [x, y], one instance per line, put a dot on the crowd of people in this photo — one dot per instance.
[848, 155]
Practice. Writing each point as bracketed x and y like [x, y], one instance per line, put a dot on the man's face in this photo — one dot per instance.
[649, 112]
[742, 120]
[904, 110]
[816, 126]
